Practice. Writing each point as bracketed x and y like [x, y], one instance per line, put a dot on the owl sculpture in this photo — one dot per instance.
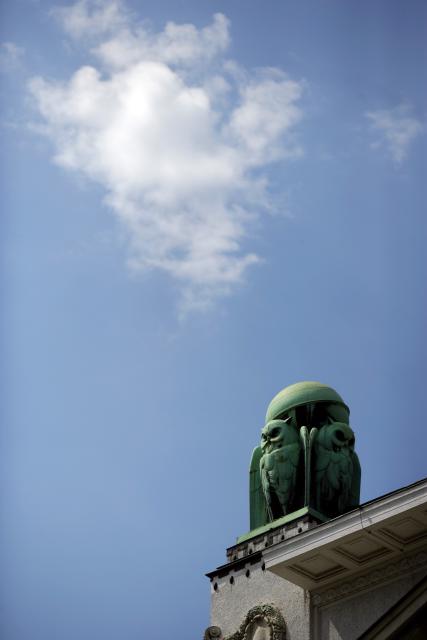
[278, 466]
[306, 458]
[336, 472]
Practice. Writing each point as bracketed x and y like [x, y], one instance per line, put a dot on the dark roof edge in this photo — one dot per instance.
[391, 493]
[225, 569]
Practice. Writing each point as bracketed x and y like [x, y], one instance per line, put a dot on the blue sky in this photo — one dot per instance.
[202, 203]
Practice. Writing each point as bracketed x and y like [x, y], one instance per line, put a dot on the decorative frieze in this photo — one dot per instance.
[380, 575]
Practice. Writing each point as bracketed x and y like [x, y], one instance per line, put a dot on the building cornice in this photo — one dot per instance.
[379, 530]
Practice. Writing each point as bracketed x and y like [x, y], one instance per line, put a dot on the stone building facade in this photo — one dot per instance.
[361, 575]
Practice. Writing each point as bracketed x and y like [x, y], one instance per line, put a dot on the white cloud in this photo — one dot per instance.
[398, 128]
[10, 56]
[268, 108]
[176, 45]
[89, 18]
[174, 137]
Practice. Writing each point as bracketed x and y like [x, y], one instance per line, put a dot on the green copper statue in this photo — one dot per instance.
[278, 466]
[306, 457]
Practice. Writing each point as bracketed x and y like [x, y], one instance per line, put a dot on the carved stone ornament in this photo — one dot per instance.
[213, 633]
[380, 575]
[263, 622]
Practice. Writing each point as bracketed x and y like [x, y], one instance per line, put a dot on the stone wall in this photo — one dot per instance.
[231, 601]
[348, 615]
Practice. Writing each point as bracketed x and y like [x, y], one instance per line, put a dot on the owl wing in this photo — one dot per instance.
[288, 459]
[326, 467]
[333, 476]
[355, 481]
[325, 485]
[278, 471]
[257, 503]
[334, 468]
[266, 475]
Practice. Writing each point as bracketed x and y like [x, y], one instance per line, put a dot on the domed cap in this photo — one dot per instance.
[301, 393]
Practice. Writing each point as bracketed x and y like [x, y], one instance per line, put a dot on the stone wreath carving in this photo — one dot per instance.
[213, 633]
[262, 621]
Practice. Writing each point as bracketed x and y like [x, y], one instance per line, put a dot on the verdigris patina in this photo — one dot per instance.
[306, 457]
